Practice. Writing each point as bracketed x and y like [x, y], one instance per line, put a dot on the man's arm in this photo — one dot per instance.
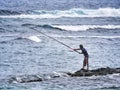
[76, 49]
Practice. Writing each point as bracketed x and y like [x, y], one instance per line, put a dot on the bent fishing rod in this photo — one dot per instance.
[54, 39]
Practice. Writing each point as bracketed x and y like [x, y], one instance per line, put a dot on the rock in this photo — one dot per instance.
[96, 72]
[25, 78]
[79, 73]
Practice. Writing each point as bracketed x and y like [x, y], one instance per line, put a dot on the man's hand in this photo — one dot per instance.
[74, 49]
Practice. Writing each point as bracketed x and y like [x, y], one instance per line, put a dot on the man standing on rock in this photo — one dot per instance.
[86, 56]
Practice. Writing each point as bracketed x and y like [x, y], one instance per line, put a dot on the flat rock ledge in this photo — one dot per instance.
[96, 72]
[79, 73]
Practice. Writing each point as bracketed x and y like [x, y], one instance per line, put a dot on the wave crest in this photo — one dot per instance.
[8, 12]
[85, 27]
[75, 12]
[74, 27]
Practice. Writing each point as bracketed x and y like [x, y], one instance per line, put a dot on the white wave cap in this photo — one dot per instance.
[34, 38]
[75, 12]
[84, 36]
[85, 27]
[104, 12]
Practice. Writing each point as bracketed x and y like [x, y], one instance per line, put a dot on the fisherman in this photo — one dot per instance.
[86, 56]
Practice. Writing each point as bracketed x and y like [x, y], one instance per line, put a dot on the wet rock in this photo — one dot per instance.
[96, 72]
[79, 73]
[25, 78]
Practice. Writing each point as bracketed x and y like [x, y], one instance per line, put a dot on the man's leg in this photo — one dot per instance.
[87, 64]
[84, 63]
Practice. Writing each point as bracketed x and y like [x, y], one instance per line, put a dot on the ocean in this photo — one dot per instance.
[24, 52]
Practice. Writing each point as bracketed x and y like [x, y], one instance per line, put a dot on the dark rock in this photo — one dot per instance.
[25, 79]
[96, 72]
[79, 73]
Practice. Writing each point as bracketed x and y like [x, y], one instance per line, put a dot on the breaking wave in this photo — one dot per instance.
[83, 36]
[8, 12]
[43, 26]
[16, 38]
[75, 12]
[85, 27]
[35, 78]
[74, 27]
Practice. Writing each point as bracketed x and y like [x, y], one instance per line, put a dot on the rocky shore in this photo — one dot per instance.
[96, 72]
[79, 73]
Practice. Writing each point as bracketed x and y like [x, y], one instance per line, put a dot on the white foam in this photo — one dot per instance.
[75, 12]
[30, 16]
[34, 38]
[114, 76]
[82, 36]
[18, 79]
[85, 27]
[60, 74]
[107, 37]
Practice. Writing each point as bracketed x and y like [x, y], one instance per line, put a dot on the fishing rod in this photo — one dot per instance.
[55, 40]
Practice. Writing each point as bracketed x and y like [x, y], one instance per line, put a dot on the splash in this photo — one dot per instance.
[34, 38]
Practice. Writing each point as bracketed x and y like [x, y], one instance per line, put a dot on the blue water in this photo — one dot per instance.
[93, 23]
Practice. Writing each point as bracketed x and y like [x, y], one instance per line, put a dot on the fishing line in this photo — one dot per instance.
[54, 39]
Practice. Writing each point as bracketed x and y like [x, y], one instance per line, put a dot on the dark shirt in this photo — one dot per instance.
[84, 51]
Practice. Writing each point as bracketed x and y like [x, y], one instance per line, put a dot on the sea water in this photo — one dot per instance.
[25, 52]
